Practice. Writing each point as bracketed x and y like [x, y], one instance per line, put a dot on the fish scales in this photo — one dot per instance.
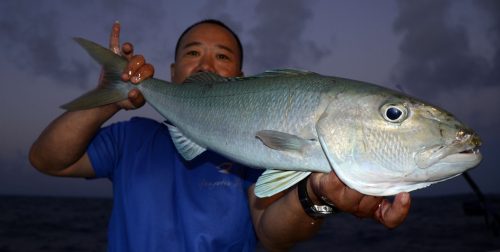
[240, 109]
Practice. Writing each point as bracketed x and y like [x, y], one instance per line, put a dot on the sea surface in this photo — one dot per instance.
[451, 223]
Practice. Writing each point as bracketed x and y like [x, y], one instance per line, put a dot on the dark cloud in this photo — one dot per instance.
[219, 11]
[31, 34]
[435, 53]
[277, 37]
[211, 10]
[37, 35]
[492, 8]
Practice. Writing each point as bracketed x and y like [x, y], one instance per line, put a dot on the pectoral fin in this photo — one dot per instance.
[275, 181]
[187, 148]
[282, 141]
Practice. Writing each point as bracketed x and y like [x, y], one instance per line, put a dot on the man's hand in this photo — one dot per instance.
[348, 200]
[136, 71]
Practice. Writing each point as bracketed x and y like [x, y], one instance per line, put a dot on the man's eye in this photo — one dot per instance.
[222, 57]
[193, 53]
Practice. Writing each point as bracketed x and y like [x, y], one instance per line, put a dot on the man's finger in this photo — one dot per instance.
[136, 98]
[338, 193]
[368, 206]
[127, 50]
[135, 62]
[392, 215]
[114, 38]
[145, 72]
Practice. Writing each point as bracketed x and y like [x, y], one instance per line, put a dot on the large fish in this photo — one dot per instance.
[290, 122]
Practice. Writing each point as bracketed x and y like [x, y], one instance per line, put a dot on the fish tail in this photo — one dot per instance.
[113, 89]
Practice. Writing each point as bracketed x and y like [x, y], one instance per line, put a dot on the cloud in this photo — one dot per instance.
[435, 53]
[220, 12]
[492, 9]
[31, 39]
[436, 58]
[277, 37]
[38, 34]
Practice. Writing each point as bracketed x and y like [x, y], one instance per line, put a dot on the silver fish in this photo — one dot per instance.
[378, 141]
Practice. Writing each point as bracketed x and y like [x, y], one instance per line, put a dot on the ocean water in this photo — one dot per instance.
[53, 224]
[79, 224]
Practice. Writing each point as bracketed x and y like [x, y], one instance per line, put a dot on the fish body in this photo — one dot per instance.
[378, 141]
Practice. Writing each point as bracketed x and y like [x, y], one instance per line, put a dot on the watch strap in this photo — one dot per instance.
[311, 209]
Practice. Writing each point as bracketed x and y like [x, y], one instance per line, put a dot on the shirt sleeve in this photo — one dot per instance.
[105, 148]
[109, 147]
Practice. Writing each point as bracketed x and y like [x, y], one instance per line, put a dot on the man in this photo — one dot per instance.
[162, 202]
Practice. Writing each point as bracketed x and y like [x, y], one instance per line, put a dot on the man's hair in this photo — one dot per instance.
[215, 22]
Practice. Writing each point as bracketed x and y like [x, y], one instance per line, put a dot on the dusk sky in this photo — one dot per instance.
[444, 52]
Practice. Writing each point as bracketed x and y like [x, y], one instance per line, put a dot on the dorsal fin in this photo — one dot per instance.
[284, 72]
[205, 77]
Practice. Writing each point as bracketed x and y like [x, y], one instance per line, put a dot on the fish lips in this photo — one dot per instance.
[454, 158]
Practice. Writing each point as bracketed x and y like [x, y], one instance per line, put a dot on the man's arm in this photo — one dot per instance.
[280, 221]
[61, 148]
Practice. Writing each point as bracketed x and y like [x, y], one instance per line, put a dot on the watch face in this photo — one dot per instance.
[322, 210]
[313, 212]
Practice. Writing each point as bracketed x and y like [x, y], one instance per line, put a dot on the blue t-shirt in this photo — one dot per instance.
[163, 203]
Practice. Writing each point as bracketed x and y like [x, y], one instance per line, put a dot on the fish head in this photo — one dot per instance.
[380, 142]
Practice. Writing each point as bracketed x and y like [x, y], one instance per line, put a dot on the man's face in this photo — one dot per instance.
[206, 48]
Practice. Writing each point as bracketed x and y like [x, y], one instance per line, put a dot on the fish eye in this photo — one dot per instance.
[394, 113]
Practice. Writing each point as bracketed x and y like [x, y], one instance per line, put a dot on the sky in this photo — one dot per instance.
[444, 52]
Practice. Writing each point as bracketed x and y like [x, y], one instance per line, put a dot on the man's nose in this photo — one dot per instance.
[206, 65]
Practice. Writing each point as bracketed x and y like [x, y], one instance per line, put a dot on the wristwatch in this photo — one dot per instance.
[315, 211]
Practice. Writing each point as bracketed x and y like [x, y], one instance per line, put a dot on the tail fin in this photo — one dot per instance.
[114, 90]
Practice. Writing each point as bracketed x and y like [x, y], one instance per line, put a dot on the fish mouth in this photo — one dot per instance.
[462, 152]
[467, 158]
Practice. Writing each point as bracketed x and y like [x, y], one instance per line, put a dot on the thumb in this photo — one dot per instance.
[393, 214]
[136, 98]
